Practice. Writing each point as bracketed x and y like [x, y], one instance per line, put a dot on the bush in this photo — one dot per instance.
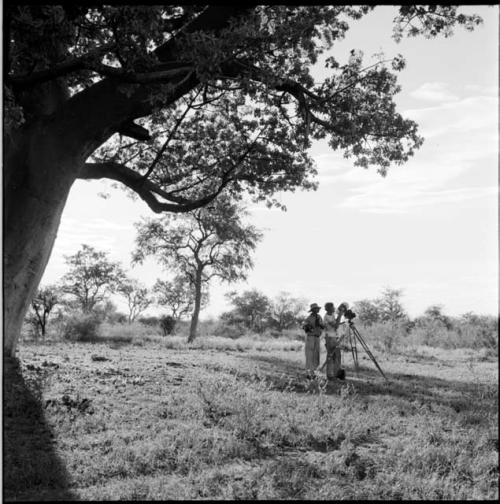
[480, 335]
[150, 321]
[81, 327]
[167, 324]
[285, 334]
[392, 337]
[385, 336]
[232, 331]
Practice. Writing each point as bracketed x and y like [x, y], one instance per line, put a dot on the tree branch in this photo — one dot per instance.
[145, 190]
[59, 70]
[133, 130]
[169, 138]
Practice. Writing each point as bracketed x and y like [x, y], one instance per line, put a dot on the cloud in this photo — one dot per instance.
[482, 90]
[98, 232]
[433, 91]
[457, 162]
[257, 208]
[463, 116]
[380, 200]
[330, 166]
[457, 136]
[423, 181]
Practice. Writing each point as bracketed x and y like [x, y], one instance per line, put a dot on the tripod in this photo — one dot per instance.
[353, 336]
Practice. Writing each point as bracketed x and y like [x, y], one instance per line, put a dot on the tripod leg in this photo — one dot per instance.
[351, 343]
[367, 350]
[356, 353]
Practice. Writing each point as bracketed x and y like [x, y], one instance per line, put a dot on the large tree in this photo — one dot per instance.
[78, 76]
[210, 242]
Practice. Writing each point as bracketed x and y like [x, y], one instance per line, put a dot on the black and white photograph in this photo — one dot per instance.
[250, 251]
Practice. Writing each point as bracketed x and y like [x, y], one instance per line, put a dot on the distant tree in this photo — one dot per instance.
[480, 329]
[286, 310]
[209, 242]
[91, 278]
[389, 305]
[176, 295]
[137, 295]
[367, 311]
[107, 311]
[252, 306]
[42, 304]
[472, 318]
[434, 313]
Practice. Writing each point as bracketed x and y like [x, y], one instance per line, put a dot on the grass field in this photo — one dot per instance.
[168, 421]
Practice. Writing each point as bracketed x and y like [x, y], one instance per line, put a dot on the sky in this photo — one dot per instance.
[430, 227]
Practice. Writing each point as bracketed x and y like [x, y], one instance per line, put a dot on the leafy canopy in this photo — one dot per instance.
[209, 242]
[92, 276]
[137, 296]
[177, 295]
[223, 96]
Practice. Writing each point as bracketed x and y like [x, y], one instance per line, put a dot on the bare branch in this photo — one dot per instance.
[146, 190]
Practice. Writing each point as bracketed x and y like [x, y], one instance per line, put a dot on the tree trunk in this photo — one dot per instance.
[38, 178]
[44, 324]
[197, 305]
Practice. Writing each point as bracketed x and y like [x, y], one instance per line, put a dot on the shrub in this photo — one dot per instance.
[81, 327]
[117, 318]
[285, 334]
[150, 321]
[167, 324]
[386, 336]
[229, 330]
[479, 335]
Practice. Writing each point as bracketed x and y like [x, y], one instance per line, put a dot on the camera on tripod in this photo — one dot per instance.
[346, 312]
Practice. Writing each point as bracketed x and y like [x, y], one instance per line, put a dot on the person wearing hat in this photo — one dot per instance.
[313, 326]
[332, 342]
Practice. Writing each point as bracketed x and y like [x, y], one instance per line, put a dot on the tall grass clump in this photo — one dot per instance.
[82, 327]
[126, 333]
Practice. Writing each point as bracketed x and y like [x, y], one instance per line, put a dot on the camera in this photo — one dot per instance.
[349, 314]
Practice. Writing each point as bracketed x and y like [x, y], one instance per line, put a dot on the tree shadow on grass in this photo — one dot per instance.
[32, 471]
[459, 395]
[368, 381]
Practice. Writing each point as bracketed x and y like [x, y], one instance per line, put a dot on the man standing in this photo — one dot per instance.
[313, 326]
[333, 353]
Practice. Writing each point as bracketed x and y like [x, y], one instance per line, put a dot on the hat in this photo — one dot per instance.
[313, 306]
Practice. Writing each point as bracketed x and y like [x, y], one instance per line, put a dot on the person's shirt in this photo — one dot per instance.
[330, 324]
[315, 323]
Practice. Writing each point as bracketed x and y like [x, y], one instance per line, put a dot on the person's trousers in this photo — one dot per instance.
[312, 352]
[333, 357]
